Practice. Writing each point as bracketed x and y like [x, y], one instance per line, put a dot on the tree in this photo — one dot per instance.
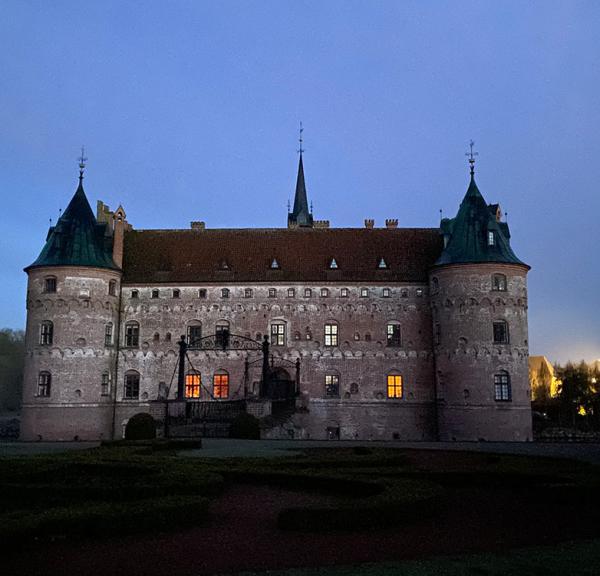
[12, 354]
[574, 391]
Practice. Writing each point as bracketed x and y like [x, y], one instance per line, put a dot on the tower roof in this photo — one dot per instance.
[476, 235]
[300, 215]
[77, 239]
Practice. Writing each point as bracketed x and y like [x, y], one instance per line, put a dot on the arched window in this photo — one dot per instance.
[132, 335]
[278, 334]
[502, 391]
[221, 384]
[501, 332]
[132, 385]
[222, 333]
[331, 334]
[108, 334]
[50, 284]
[393, 334]
[112, 287]
[332, 385]
[194, 334]
[192, 384]
[46, 333]
[394, 386]
[499, 282]
[44, 384]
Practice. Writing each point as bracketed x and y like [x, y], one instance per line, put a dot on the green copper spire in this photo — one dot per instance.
[77, 239]
[476, 234]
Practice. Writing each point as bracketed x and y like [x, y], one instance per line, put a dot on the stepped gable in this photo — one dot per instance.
[77, 239]
[301, 255]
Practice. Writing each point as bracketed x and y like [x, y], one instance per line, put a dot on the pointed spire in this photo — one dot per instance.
[82, 160]
[300, 216]
[471, 156]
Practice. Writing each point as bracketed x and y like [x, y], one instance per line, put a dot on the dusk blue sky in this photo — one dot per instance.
[190, 111]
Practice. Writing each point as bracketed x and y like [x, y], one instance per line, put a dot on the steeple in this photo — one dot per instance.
[476, 234]
[301, 215]
[77, 239]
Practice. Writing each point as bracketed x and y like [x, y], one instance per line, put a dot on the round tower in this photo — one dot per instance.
[479, 309]
[72, 327]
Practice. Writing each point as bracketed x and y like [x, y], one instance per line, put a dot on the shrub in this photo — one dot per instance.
[140, 427]
[245, 427]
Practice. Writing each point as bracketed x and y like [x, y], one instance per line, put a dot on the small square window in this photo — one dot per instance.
[272, 293]
[155, 293]
[135, 294]
[404, 293]
[225, 293]
[202, 293]
[419, 292]
[324, 292]
[499, 282]
[176, 293]
[291, 292]
[344, 292]
[248, 293]
[364, 292]
[50, 285]
[386, 293]
[307, 292]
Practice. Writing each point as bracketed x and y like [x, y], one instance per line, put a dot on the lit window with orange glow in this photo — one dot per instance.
[394, 386]
[192, 385]
[221, 385]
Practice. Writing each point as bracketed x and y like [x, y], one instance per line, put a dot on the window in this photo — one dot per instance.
[419, 292]
[491, 239]
[438, 334]
[502, 391]
[44, 384]
[275, 264]
[393, 335]
[364, 292]
[307, 292]
[344, 292]
[112, 288]
[46, 333]
[357, 336]
[50, 284]
[192, 385]
[278, 334]
[382, 264]
[324, 292]
[225, 293]
[105, 384]
[132, 385]
[394, 386]
[132, 335]
[500, 332]
[222, 334]
[202, 293]
[296, 335]
[331, 334]
[248, 293]
[291, 292]
[367, 337]
[435, 285]
[332, 385]
[404, 293]
[168, 337]
[155, 293]
[333, 264]
[221, 385]
[194, 335]
[386, 292]
[272, 293]
[499, 282]
[108, 334]
[176, 293]
[135, 294]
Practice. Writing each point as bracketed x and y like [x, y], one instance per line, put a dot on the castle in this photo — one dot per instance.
[363, 333]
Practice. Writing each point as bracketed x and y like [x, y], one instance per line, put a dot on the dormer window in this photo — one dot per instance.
[333, 264]
[491, 239]
[382, 264]
[274, 264]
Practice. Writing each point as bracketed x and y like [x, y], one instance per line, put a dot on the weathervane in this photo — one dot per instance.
[301, 140]
[471, 156]
[82, 160]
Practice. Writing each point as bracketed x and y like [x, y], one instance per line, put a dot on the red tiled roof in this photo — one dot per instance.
[303, 255]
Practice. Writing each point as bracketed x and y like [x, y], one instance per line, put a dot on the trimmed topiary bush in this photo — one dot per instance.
[245, 427]
[140, 427]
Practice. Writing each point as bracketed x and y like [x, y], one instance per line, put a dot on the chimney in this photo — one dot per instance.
[119, 226]
[391, 224]
[198, 225]
[369, 223]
